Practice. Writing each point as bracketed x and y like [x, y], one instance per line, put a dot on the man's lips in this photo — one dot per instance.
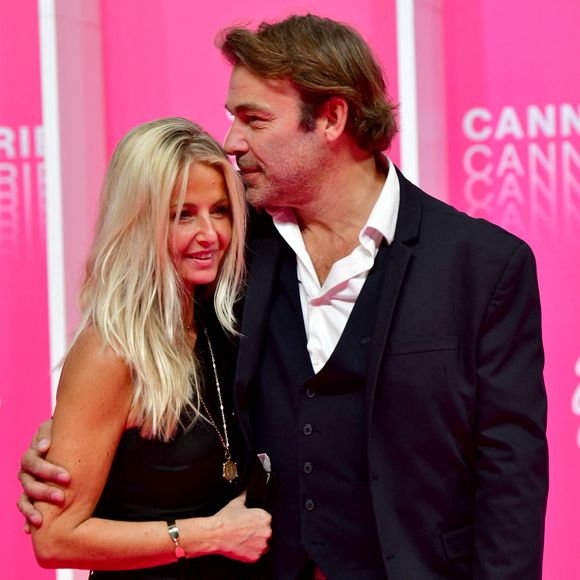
[250, 175]
[248, 168]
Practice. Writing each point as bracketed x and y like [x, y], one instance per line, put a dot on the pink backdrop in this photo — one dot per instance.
[513, 123]
[24, 360]
[513, 111]
[177, 71]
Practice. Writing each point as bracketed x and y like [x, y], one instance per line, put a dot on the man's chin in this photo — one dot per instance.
[254, 197]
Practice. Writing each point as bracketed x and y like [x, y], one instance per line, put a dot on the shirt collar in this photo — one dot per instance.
[381, 222]
[383, 217]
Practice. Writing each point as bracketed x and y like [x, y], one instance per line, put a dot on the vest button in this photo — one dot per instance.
[307, 429]
[309, 505]
[307, 467]
[310, 393]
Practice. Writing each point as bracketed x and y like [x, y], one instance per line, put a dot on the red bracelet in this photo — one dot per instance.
[174, 535]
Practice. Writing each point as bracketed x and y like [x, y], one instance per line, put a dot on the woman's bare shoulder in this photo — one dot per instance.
[92, 364]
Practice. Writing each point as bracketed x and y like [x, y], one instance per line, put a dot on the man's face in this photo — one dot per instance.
[279, 161]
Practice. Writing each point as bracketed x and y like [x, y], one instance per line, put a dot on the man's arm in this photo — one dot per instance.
[36, 474]
[512, 454]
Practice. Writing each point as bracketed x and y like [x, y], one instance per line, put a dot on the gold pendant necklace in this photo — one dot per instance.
[230, 468]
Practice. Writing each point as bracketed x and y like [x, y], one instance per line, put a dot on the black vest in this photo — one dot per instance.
[313, 428]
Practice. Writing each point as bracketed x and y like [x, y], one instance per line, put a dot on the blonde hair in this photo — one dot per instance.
[132, 292]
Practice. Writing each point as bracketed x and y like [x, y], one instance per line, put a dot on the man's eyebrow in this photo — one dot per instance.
[244, 107]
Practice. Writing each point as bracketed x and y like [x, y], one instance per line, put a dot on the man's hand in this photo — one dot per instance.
[36, 474]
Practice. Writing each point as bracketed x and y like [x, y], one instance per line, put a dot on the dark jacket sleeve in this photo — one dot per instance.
[511, 447]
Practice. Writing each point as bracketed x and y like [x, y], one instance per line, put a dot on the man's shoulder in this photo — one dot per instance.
[443, 220]
[259, 224]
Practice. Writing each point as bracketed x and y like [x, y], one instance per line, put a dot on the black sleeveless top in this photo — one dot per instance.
[153, 480]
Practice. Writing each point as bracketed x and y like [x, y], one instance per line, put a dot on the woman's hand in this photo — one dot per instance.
[239, 532]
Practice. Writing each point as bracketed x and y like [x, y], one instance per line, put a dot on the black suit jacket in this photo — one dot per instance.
[456, 409]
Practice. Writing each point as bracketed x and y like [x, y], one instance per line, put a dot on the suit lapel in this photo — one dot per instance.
[264, 258]
[399, 256]
[263, 264]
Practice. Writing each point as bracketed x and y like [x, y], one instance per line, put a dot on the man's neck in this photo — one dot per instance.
[345, 200]
[331, 225]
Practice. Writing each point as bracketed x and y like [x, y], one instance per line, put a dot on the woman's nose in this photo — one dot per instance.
[207, 232]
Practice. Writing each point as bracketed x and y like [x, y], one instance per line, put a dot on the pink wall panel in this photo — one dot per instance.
[160, 57]
[512, 122]
[24, 354]
[513, 112]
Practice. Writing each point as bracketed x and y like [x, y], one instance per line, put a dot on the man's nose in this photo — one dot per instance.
[235, 143]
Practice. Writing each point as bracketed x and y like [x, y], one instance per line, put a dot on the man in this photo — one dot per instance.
[391, 360]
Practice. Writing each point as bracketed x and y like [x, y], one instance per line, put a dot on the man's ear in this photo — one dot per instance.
[334, 115]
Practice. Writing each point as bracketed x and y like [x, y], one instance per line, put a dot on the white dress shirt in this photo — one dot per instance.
[326, 307]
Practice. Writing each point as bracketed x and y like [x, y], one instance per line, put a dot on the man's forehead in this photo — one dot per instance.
[251, 91]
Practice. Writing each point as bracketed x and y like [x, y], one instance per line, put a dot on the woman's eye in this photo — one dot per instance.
[221, 210]
[183, 215]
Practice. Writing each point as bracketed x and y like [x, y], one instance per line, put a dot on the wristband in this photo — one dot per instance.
[174, 535]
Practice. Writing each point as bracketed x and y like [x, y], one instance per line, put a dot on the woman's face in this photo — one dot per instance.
[200, 235]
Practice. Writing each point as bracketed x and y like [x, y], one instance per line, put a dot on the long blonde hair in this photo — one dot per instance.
[132, 292]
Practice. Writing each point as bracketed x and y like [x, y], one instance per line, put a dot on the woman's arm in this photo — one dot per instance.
[93, 402]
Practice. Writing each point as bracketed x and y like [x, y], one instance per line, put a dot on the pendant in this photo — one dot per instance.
[230, 470]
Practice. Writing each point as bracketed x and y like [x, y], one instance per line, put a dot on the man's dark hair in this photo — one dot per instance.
[323, 58]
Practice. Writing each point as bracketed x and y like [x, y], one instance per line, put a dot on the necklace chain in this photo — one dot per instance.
[230, 471]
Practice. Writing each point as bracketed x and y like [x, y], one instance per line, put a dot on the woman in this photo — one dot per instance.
[144, 414]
